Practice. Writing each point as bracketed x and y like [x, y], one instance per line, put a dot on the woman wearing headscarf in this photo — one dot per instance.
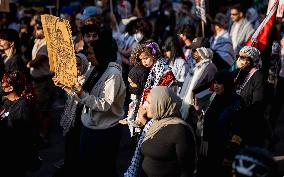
[137, 78]
[253, 18]
[202, 74]
[167, 143]
[249, 85]
[220, 125]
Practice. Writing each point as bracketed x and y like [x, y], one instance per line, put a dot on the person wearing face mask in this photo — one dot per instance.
[250, 86]
[137, 78]
[143, 30]
[165, 23]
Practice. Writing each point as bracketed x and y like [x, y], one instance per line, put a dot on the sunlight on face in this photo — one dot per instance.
[146, 59]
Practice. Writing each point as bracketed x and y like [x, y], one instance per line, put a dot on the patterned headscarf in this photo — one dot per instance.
[254, 54]
[205, 53]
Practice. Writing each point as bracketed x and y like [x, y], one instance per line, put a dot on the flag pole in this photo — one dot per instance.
[203, 28]
[253, 41]
[111, 6]
[57, 8]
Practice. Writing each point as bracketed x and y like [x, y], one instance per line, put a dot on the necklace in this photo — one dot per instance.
[252, 71]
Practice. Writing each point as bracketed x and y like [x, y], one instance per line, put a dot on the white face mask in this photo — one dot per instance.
[166, 13]
[99, 3]
[138, 37]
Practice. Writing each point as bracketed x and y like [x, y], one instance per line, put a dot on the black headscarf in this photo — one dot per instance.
[226, 79]
[138, 74]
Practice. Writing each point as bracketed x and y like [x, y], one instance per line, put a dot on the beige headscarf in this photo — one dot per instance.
[165, 106]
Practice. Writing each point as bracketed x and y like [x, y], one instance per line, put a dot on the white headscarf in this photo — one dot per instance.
[253, 15]
[205, 53]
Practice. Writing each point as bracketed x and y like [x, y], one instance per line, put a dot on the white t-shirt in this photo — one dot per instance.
[235, 35]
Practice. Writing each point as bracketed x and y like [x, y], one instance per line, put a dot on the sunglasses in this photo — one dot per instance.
[243, 58]
[234, 14]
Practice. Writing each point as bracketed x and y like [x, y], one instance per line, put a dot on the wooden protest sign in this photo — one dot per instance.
[62, 59]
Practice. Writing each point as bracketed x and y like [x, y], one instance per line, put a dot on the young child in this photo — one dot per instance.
[137, 78]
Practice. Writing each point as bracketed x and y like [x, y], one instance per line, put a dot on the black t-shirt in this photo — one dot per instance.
[15, 135]
[170, 153]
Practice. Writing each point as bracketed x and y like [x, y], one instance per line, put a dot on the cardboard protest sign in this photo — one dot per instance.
[4, 6]
[62, 59]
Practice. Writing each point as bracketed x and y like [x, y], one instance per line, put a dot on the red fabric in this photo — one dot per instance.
[261, 40]
[146, 93]
[165, 81]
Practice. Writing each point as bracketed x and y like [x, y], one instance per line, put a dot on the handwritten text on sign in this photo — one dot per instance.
[62, 59]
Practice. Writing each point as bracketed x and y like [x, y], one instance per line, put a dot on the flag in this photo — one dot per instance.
[280, 9]
[260, 37]
[201, 9]
[270, 5]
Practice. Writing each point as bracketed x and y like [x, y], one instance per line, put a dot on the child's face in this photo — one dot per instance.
[132, 84]
[147, 60]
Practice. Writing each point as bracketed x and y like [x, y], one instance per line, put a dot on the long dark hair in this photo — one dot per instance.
[172, 44]
[21, 86]
[225, 78]
[105, 52]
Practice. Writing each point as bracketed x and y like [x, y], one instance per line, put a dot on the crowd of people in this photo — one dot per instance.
[195, 101]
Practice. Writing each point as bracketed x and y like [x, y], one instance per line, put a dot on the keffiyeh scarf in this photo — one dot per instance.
[254, 54]
[160, 69]
[134, 168]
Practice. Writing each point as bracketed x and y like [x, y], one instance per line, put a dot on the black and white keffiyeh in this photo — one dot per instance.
[134, 168]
